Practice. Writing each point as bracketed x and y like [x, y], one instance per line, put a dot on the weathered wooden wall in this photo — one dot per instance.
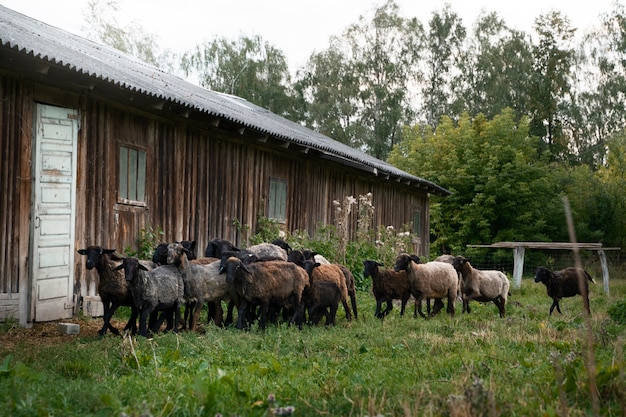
[200, 178]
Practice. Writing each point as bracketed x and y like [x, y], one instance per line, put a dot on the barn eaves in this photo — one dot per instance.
[41, 50]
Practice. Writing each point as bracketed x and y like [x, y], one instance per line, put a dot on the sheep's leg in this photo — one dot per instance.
[176, 316]
[466, 306]
[193, 320]
[347, 309]
[451, 299]
[264, 311]
[499, 302]
[109, 309]
[332, 315]
[132, 321]
[241, 313]
[143, 318]
[418, 301]
[403, 305]
[353, 302]
[216, 313]
[438, 305]
[555, 303]
[379, 303]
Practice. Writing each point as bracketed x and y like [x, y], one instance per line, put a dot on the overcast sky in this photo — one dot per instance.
[296, 27]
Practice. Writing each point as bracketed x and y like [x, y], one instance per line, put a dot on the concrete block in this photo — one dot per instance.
[68, 328]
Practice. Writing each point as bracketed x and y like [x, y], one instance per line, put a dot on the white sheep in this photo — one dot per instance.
[481, 285]
[436, 280]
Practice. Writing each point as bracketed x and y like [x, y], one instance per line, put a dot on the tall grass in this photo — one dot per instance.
[474, 364]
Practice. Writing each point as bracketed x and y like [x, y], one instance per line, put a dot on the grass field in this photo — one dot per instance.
[527, 364]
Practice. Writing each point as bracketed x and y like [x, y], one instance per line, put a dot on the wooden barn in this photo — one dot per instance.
[96, 145]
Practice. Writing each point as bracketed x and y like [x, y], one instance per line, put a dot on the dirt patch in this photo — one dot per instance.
[43, 334]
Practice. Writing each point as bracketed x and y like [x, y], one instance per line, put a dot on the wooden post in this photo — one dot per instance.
[518, 265]
[605, 271]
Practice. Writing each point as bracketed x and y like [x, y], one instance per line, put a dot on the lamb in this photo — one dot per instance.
[113, 289]
[265, 283]
[159, 289]
[160, 253]
[217, 246]
[202, 283]
[430, 280]
[565, 283]
[482, 285]
[388, 285]
[319, 296]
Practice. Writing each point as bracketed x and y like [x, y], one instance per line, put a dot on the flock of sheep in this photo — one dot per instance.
[271, 280]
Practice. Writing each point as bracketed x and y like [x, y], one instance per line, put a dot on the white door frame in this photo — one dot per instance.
[53, 214]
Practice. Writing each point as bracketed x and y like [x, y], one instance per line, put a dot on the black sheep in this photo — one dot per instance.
[564, 283]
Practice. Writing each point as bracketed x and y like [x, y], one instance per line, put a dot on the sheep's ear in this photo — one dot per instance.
[116, 257]
[82, 251]
[245, 268]
[107, 251]
[117, 268]
[143, 267]
[379, 264]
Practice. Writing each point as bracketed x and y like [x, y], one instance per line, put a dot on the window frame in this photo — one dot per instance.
[272, 204]
[134, 187]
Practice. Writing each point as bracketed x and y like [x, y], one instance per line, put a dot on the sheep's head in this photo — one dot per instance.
[131, 267]
[542, 275]
[175, 253]
[232, 267]
[370, 267]
[459, 262]
[403, 262]
[309, 265]
[94, 255]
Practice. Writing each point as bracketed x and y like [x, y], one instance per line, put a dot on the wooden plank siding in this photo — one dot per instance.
[199, 179]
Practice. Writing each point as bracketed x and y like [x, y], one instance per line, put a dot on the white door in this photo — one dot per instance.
[53, 216]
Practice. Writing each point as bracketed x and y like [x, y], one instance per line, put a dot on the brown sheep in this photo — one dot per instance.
[565, 283]
[265, 283]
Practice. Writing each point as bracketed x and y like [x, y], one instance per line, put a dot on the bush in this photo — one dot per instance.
[617, 312]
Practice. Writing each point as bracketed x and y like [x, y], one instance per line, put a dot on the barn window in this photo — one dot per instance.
[277, 207]
[417, 222]
[132, 175]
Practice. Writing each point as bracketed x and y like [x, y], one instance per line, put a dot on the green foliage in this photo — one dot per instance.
[617, 312]
[147, 241]
[247, 67]
[501, 186]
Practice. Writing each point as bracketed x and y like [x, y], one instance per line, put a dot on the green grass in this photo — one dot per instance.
[469, 365]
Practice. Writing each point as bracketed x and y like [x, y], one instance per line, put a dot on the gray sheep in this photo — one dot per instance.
[567, 282]
[159, 289]
[113, 289]
[202, 283]
[265, 283]
[436, 280]
[480, 285]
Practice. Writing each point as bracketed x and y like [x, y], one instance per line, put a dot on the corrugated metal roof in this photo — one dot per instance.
[55, 46]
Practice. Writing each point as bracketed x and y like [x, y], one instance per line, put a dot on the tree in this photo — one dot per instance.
[362, 81]
[500, 185]
[246, 67]
[598, 108]
[554, 59]
[131, 39]
[494, 74]
[443, 51]
[328, 89]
